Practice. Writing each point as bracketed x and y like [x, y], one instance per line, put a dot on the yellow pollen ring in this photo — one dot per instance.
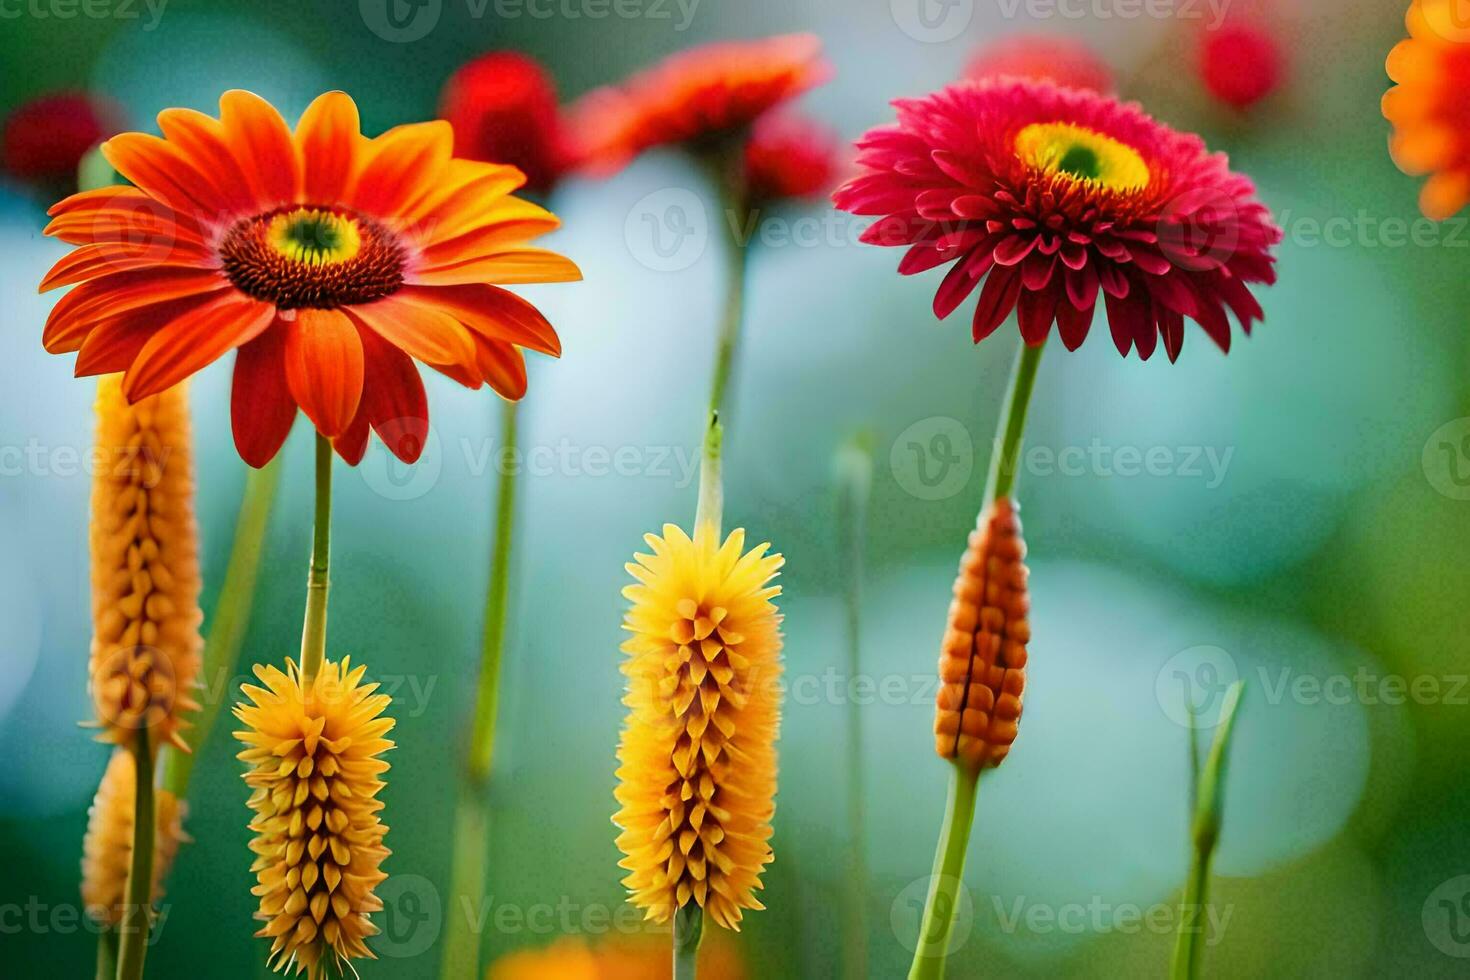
[314, 237]
[1082, 154]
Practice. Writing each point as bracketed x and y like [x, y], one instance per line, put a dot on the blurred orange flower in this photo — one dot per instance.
[697, 97]
[1427, 107]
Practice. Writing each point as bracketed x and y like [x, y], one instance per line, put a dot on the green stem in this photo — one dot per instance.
[230, 621]
[688, 931]
[314, 629]
[138, 896]
[736, 210]
[472, 812]
[946, 886]
[107, 953]
[710, 510]
[487, 699]
[856, 478]
[1010, 433]
[1205, 824]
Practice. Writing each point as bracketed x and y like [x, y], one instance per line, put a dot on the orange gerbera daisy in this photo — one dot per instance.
[1428, 108]
[330, 260]
[698, 96]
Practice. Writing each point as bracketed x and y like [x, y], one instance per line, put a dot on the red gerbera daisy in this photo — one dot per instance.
[503, 108]
[1042, 58]
[1054, 197]
[789, 156]
[697, 96]
[331, 261]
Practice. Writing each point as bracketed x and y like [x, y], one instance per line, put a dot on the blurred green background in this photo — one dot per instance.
[1308, 530]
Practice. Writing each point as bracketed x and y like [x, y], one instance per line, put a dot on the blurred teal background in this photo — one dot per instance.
[1305, 525]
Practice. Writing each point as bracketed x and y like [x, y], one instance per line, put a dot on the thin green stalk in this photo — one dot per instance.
[736, 209]
[947, 883]
[314, 629]
[710, 510]
[107, 953]
[855, 469]
[1011, 432]
[230, 621]
[1209, 805]
[472, 812]
[688, 931]
[138, 896]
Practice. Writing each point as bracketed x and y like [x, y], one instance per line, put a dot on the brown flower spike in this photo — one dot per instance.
[107, 849]
[145, 567]
[982, 662]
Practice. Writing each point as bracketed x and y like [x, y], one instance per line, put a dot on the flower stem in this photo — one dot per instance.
[710, 509]
[230, 620]
[855, 474]
[1010, 434]
[107, 953]
[946, 886]
[1209, 804]
[688, 931]
[137, 911]
[736, 210]
[472, 813]
[314, 629]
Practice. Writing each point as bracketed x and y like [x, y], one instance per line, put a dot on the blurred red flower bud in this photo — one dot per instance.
[1240, 63]
[789, 156]
[1042, 58]
[503, 108]
[47, 137]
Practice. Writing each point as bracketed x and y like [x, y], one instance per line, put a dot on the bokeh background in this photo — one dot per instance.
[1305, 525]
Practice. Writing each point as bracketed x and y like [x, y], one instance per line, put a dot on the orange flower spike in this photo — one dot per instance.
[107, 848]
[982, 662]
[145, 568]
[313, 748]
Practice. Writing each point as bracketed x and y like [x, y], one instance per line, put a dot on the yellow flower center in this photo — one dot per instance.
[313, 236]
[1082, 154]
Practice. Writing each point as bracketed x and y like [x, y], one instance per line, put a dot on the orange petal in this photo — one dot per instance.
[150, 221]
[510, 222]
[393, 398]
[112, 345]
[92, 261]
[495, 313]
[508, 268]
[324, 368]
[118, 193]
[194, 341]
[260, 141]
[402, 164]
[326, 138]
[261, 406]
[76, 312]
[418, 328]
[468, 190]
[202, 139]
[502, 366]
[162, 170]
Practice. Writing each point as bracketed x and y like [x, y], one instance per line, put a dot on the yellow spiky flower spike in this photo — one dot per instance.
[698, 752]
[145, 567]
[107, 848]
[314, 749]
